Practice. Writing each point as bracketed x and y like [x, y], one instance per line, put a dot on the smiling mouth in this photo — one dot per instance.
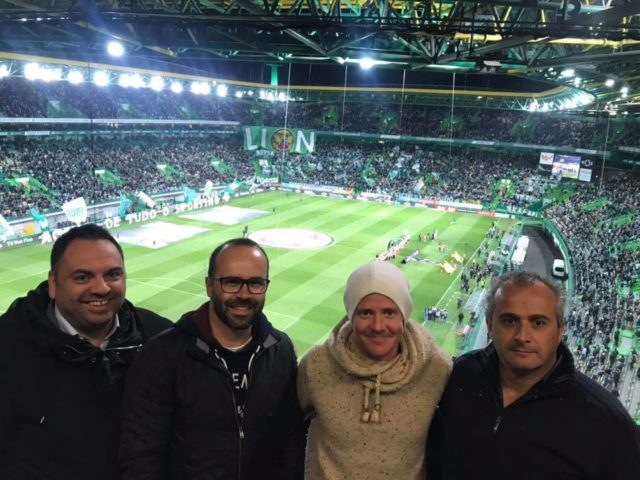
[97, 303]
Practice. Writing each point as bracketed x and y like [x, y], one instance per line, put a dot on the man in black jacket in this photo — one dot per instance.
[215, 397]
[519, 409]
[64, 350]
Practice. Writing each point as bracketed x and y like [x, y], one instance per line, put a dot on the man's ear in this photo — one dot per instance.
[51, 281]
[208, 281]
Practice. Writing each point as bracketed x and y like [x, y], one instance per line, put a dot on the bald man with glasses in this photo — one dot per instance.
[215, 397]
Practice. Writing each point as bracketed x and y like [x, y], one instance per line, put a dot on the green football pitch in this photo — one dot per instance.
[305, 294]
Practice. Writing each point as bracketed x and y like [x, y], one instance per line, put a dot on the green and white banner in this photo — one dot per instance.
[76, 210]
[146, 199]
[40, 220]
[289, 140]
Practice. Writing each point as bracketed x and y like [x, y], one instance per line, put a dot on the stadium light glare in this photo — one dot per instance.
[624, 90]
[124, 80]
[567, 73]
[101, 78]
[366, 63]
[282, 97]
[239, 94]
[32, 71]
[156, 83]
[577, 81]
[176, 87]
[200, 88]
[51, 74]
[137, 81]
[610, 82]
[4, 71]
[75, 77]
[115, 49]
[222, 90]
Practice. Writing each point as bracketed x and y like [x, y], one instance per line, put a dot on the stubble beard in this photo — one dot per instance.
[233, 322]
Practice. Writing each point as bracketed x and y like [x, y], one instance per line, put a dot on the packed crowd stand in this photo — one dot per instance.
[65, 168]
[606, 266]
[22, 98]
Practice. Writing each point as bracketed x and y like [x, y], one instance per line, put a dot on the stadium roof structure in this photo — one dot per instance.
[501, 53]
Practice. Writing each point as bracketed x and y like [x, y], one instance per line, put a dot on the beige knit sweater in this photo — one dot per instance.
[338, 384]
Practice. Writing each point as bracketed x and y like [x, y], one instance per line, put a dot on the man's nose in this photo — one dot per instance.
[523, 332]
[377, 323]
[100, 286]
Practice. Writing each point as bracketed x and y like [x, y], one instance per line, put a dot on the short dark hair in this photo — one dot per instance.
[234, 242]
[89, 231]
[525, 279]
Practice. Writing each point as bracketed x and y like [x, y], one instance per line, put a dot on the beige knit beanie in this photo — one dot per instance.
[378, 277]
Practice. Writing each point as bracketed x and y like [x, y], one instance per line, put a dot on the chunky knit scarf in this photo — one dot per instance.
[374, 376]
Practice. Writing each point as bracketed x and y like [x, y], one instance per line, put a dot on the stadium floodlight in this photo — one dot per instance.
[75, 77]
[200, 88]
[156, 83]
[136, 81]
[101, 78]
[624, 90]
[610, 82]
[176, 87]
[567, 73]
[124, 80]
[366, 63]
[282, 97]
[32, 71]
[577, 81]
[222, 90]
[4, 71]
[51, 74]
[115, 49]
[239, 94]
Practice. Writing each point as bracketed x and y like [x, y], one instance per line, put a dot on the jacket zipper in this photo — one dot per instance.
[253, 357]
[235, 415]
[522, 399]
[497, 424]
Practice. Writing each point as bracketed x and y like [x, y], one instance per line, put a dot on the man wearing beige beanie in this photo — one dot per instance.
[371, 389]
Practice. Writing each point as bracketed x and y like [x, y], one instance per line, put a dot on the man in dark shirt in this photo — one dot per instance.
[215, 397]
[64, 351]
[519, 409]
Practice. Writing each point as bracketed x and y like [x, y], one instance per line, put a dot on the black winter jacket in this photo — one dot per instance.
[180, 420]
[60, 397]
[565, 427]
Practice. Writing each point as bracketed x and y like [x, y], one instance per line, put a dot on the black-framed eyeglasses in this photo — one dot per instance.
[255, 285]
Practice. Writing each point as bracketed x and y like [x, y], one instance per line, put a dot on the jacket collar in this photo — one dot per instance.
[559, 378]
[265, 333]
[47, 334]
